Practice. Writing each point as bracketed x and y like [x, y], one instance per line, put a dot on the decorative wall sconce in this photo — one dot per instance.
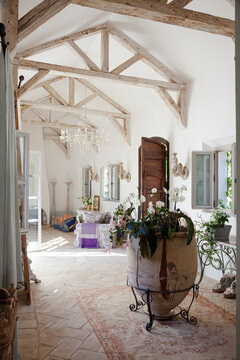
[92, 176]
[123, 174]
[178, 169]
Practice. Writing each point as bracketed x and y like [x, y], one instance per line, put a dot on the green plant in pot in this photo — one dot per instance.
[217, 227]
[162, 253]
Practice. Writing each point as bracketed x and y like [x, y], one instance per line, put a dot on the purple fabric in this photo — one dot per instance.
[89, 229]
[89, 243]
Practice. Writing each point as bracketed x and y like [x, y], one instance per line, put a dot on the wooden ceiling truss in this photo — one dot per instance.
[172, 12]
[120, 119]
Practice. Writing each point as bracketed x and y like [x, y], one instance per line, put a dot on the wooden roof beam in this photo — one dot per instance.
[152, 10]
[31, 82]
[38, 16]
[60, 41]
[74, 110]
[131, 80]
[179, 3]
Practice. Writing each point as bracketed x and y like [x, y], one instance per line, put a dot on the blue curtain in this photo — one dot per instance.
[10, 241]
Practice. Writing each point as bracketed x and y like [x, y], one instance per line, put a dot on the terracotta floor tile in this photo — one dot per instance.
[44, 350]
[61, 330]
[88, 355]
[50, 340]
[28, 342]
[66, 348]
[91, 343]
[27, 324]
[29, 354]
[27, 332]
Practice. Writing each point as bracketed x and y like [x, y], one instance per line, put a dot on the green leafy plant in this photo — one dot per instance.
[158, 223]
[87, 201]
[206, 230]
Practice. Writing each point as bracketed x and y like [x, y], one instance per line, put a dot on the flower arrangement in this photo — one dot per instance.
[175, 195]
[158, 223]
[87, 201]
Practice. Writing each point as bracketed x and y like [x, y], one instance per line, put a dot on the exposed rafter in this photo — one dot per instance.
[157, 11]
[31, 82]
[90, 64]
[55, 138]
[132, 80]
[60, 41]
[38, 16]
[73, 109]
[119, 119]
[56, 125]
[180, 3]
[10, 19]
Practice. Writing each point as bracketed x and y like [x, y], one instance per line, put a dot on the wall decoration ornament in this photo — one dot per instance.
[123, 174]
[93, 176]
[178, 169]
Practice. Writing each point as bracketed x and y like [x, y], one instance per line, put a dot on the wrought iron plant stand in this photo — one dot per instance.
[147, 298]
[209, 254]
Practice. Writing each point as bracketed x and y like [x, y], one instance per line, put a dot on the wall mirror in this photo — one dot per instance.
[110, 183]
[86, 183]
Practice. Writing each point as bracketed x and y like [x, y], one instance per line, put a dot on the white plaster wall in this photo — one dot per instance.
[37, 143]
[206, 62]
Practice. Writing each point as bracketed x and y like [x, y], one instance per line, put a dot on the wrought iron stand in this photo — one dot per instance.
[147, 298]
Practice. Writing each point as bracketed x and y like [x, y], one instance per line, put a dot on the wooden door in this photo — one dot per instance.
[153, 169]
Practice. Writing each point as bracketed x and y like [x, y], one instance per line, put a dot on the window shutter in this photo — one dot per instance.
[203, 179]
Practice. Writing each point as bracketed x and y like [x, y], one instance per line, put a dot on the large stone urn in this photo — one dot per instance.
[172, 267]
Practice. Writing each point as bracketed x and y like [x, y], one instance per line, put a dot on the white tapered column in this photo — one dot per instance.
[68, 183]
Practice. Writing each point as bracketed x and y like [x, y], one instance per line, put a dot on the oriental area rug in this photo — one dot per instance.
[123, 335]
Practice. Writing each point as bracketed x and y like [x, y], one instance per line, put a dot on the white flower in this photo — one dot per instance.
[132, 195]
[142, 199]
[159, 204]
[181, 198]
[150, 204]
[151, 210]
[174, 197]
[154, 190]
[126, 205]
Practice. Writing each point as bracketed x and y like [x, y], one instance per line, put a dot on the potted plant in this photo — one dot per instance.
[87, 201]
[162, 253]
[216, 228]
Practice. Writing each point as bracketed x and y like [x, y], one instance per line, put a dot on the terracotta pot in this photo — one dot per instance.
[172, 267]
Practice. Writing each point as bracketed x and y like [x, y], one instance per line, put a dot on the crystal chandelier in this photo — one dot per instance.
[84, 138]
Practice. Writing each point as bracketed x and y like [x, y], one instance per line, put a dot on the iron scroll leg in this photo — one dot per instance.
[138, 304]
[185, 313]
[151, 315]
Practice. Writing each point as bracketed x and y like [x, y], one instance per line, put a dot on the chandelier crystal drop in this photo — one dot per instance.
[84, 138]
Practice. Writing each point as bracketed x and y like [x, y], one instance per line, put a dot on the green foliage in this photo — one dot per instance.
[152, 227]
[87, 201]
[219, 218]
[206, 230]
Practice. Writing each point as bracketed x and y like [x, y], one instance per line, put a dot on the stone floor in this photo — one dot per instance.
[53, 326]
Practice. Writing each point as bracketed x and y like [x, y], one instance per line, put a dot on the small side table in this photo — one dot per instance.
[25, 266]
[220, 255]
